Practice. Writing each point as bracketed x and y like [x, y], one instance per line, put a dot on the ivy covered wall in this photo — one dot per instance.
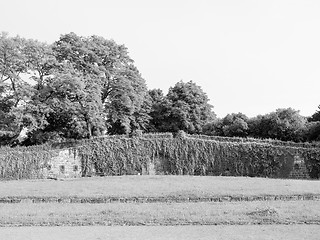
[162, 154]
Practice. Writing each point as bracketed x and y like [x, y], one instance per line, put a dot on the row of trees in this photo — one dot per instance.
[283, 124]
[79, 87]
[186, 107]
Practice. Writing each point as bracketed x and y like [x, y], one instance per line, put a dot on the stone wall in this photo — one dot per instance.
[64, 164]
[293, 167]
[299, 170]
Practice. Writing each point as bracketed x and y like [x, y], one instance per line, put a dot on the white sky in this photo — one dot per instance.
[248, 56]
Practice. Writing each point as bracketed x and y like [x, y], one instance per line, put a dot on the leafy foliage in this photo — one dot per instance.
[194, 156]
[273, 142]
[184, 108]
[313, 131]
[77, 87]
[120, 86]
[14, 91]
[313, 126]
[82, 87]
[316, 116]
[283, 124]
[23, 163]
[232, 125]
[160, 111]
[184, 154]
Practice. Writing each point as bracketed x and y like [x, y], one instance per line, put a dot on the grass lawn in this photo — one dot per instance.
[201, 213]
[27, 213]
[157, 186]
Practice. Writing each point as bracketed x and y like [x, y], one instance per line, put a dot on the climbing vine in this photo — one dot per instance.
[194, 156]
[182, 154]
[23, 163]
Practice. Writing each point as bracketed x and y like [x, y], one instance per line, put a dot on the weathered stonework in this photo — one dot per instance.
[299, 170]
[149, 169]
[64, 164]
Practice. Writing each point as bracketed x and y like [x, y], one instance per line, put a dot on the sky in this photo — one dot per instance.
[249, 56]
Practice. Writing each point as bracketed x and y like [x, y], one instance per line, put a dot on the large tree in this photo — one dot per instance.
[186, 107]
[123, 90]
[15, 89]
[232, 125]
[283, 124]
[160, 111]
[77, 87]
[13, 64]
[235, 125]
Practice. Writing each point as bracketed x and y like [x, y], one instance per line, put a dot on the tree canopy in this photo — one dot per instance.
[80, 87]
[283, 124]
[76, 87]
[185, 107]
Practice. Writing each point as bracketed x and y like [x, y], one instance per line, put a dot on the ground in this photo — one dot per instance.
[219, 232]
[252, 208]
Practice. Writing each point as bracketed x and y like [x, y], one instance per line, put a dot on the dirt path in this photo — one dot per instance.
[244, 232]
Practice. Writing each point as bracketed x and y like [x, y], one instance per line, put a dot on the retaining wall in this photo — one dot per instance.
[66, 164]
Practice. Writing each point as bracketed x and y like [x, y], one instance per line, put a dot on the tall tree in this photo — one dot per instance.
[160, 111]
[13, 64]
[15, 89]
[77, 87]
[123, 90]
[40, 61]
[188, 108]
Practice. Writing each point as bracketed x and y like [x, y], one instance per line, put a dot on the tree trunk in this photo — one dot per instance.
[89, 129]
